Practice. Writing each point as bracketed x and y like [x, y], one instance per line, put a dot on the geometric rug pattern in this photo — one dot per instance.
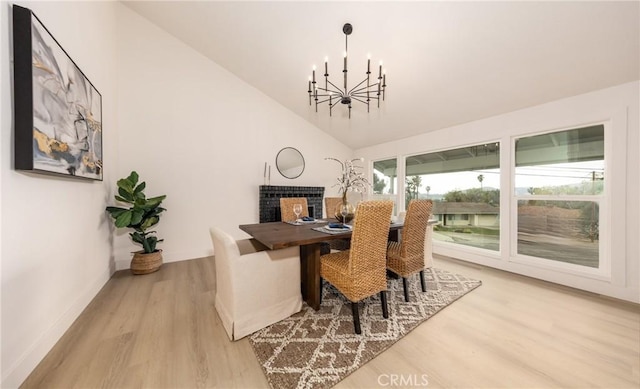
[317, 349]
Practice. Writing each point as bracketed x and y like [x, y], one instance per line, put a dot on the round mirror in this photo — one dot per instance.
[290, 162]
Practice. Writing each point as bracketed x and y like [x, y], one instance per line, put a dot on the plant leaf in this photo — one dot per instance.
[123, 219]
[139, 188]
[133, 178]
[136, 217]
[152, 221]
[115, 211]
[126, 185]
[126, 195]
[120, 198]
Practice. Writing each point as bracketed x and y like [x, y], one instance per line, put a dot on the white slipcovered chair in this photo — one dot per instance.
[255, 289]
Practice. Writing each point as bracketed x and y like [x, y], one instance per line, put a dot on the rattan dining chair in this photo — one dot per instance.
[406, 257]
[330, 205]
[286, 208]
[287, 215]
[360, 272]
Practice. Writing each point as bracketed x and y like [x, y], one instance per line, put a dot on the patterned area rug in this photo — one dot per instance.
[317, 349]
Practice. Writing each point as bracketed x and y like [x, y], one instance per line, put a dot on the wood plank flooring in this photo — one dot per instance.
[161, 331]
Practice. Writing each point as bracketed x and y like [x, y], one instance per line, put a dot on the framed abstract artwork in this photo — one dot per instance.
[57, 110]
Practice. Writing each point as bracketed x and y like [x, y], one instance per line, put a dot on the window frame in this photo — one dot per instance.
[399, 186]
[603, 271]
[486, 253]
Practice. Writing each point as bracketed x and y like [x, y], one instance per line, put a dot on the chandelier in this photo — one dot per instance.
[363, 92]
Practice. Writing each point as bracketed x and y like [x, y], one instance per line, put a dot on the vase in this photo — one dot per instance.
[145, 263]
[351, 210]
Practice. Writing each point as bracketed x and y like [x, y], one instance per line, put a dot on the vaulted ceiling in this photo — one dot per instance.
[447, 62]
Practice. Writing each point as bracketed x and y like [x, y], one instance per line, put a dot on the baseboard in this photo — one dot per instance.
[168, 257]
[20, 369]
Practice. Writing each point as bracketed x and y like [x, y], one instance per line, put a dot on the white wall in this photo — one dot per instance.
[191, 129]
[198, 134]
[56, 253]
[618, 105]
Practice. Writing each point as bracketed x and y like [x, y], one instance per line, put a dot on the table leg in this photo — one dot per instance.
[310, 266]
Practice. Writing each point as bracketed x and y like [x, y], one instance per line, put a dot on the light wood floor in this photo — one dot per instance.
[161, 331]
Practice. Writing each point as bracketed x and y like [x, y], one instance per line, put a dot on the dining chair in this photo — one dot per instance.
[330, 205]
[287, 215]
[406, 257]
[360, 272]
[286, 208]
[254, 288]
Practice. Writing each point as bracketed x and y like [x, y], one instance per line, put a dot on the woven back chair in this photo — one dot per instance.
[330, 205]
[286, 208]
[407, 257]
[360, 272]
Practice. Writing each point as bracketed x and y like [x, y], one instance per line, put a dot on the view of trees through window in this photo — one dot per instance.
[558, 191]
[559, 184]
[385, 181]
[464, 184]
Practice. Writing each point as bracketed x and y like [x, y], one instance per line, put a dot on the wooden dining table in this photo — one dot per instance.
[279, 235]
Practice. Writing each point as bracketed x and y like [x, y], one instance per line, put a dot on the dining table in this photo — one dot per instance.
[279, 235]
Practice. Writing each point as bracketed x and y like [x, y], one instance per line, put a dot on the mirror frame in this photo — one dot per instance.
[281, 168]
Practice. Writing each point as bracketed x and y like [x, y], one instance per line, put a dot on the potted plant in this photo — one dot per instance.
[141, 215]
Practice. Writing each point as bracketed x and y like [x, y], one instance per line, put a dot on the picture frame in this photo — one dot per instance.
[57, 110]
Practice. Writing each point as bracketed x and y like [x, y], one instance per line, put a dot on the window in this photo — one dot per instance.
[559, 189]
[385, 180]
[464, 184]
[385, 176]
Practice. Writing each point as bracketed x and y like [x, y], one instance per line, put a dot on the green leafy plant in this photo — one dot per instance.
[142, 214]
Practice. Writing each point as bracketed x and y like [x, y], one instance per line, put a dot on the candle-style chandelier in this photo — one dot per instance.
[363, 92]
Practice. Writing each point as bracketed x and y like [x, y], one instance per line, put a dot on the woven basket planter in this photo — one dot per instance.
[143, 263]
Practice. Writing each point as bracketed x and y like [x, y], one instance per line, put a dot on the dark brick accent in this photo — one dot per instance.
[270, 200]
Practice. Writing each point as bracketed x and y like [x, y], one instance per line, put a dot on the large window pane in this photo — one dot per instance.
[565, 231]
[465, 186]
[385, 176]
[385, 181]
[561, 163]
[559, 182]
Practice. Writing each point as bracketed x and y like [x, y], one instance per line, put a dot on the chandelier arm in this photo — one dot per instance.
[325, 100]
[354, 88]
[334, 91]
[339, 90]
[364, 95]
[357, 99]
[326, 95]
[364, 89]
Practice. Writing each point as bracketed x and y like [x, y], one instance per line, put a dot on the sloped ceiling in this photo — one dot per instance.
[447, 62]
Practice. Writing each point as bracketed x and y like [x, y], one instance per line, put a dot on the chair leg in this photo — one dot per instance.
[424, 286]
[356, 317]
[383, 300]
[406, 289]
[320, 290]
